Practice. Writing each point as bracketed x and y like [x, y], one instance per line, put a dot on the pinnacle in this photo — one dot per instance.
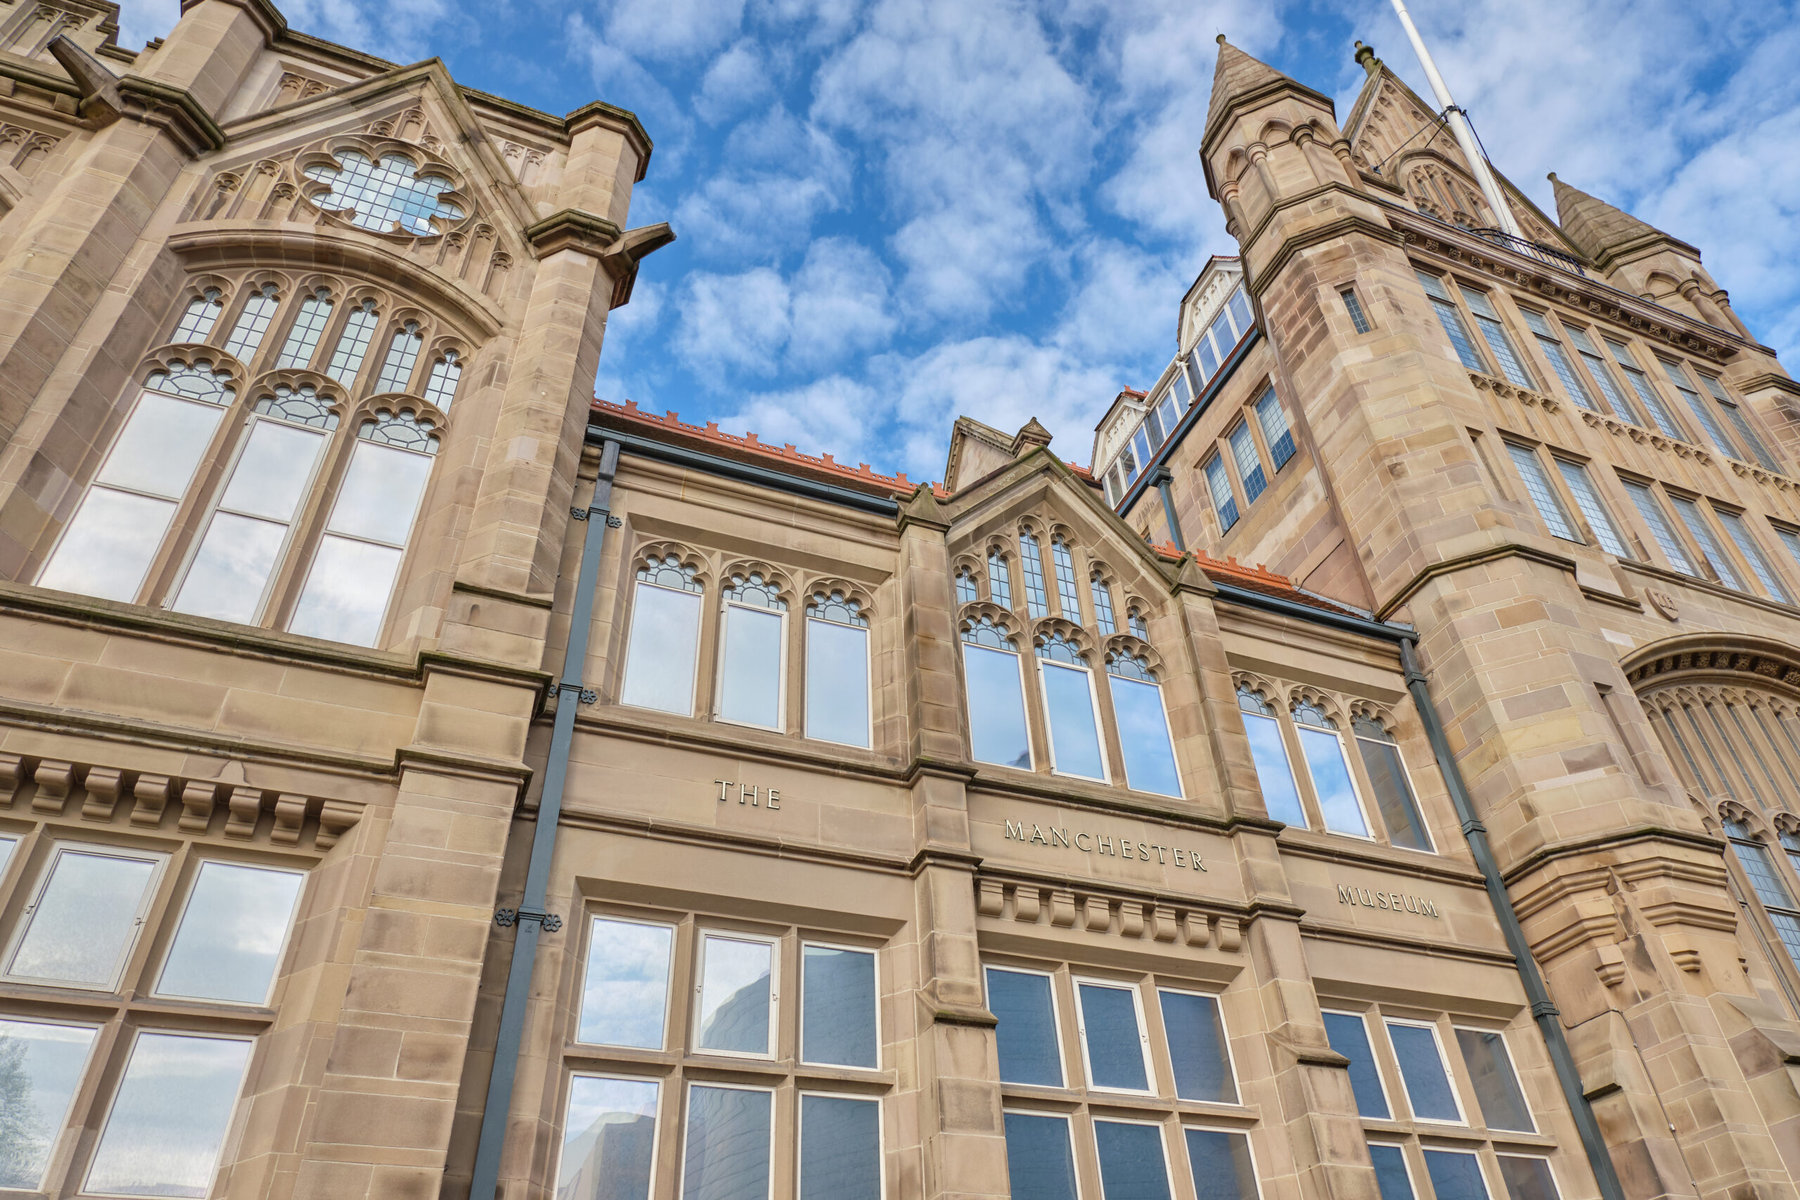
[1596, 227]
[1237, 74]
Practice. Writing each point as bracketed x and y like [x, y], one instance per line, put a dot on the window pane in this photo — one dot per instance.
[231, 568]
[1393, 795]
[160, 446]
[663, 649]
[750, 667]
[1197, 1047]
[1131, 1161]
[1653, 516]
[838, 1006]
[1390, 1172]
[1331, 779]
[735, 995]
[1527, 1178]
[1273, 773]
[1710, 549]
[1114, 1043]
[609, 1139]
[85, 919]
[1759, 562]
[1455, 1176]
[996, 707]
[40, 1067]
[1496, 1084]
[272, 473]
[1144, 736]
[840, 1148]
[6, 849]
[727, 1144]
[1588, 501]
[1221, 1162]
[625, 993]
[1039, 1164]
[168, 1119]
[837, 683]
[1074, 737]
[380, 493]
[1349, 1036]
[1026, 1034]
[1543, 497]
[108, 545]
[231, 934]
[1422, 1070]
[346, 592]
[1249, 465]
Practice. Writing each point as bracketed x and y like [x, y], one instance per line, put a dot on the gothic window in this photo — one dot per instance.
[1451, 318]
[1074, 714]
[1067, 597]
[1493, 331]
[1646, 394]
[837, 670]
[1103, 605]
[1602, 375]
[353, 343]
[388, 196]
[403, 352]
[1573, 385]
[1652, 512]
[198, 319]
[1760, 566]
[252, 323]
[1543, 496]
[440, 387]
[1143, 724]
[664, 645]
[1711, 552]
[966, 592]
[303, 336]
[1275, 429]
[1599, 518]
[993, 677]
[1037, 603]
[1134, 622]
[1268, 751]
[1739, 422]
[1392, 787]
[1715, 432]
[1328, 766]
[1766, 881]
[752, 642]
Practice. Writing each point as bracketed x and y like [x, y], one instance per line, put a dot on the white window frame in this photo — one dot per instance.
[1406, 1163]
[726, 603]
[1218, 999]
[699, 628]
[800, 1131]
[687, 1114]
[1062, 1058]
[1162, 1135]
[656, 1128]
[1511, 1061]
[868, 677]
[1387, 1097]
[1068, 1120]
[1362, 802]
[1105, 775]
[1243, 1131]
[1124, 767]
[112, 1100]
[800, 1004]
[1287, 760]
[774, 945]
[1087, 1062]
[160, 863]
[1411, 786]
[668, 976]
[1480, 1168]
[287, 937]
[9, 849]
[1025, 707]
[1548, 1160]
[1437, 1040]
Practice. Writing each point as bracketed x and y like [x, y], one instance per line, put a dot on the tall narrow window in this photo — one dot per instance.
[1219, 484]
[1760, 566]
[1113, 1041]
[1068, 596]
[1766, 882]
[353, 344]
[1223, 334]
[119, 525]
[353, 573]
[1349, 1036]
[1249, 463]
[730, 1142]
[1497, 1090]
[837, 1006]
[232, 932]
[1197, 1049]
[1493, 331]
[1239, 306]
[1221, 1158]
[85, 917]
[1167, 410]
[1702, 533]
[1394, 797]
[1741, 423]
[1281, 796]
[403, 352]
[999, 579]
[1558, 357]
[966, 592]
[1527, 1177]
[252, 323]
[1103, 606]
[1359, 320]
[198, 319]
[303, 338]
[840, 1147]
[1275, 429]
[1323, 749]
[1790, 539]
[1543, 495]
[44, 1065]
[1039, 1162]
[1025, 1035]
[1074, 716]
[1646, 394]
[992, 674]
[1423, 1072]
[1031, 556]
[1141, 444]
[440, 386]
[837, 670]
[609, 1138]
[664, 646]
[1660, 529]
[1134, 624]
[169, 1116]
[1715, 432]
[1133, 1159]
[1603, 376]
[249, 528]
[1455, 1175]
[1587, 499]
[736, 1009]
[752, 658]
[1392, 1179]
[1450, 317]
[1143, 724]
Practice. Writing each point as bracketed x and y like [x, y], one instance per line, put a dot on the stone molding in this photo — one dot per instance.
[1131, 917]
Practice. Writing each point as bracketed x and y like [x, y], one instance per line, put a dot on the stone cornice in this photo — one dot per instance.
[607, 116]
[268, 18]
[1769, 381]
[1252, 98]
[173, 110]
[1462, 561]
[572, 229]
[1713, 654]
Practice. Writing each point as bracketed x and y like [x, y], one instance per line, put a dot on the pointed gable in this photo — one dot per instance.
[1239, 80]
[1603, 232]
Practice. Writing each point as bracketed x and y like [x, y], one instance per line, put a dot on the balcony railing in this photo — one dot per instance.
[1530, 249]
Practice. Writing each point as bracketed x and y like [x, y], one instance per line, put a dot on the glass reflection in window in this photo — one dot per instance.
[1222, 1165]
[1497, 1089]
[837, 1006]
[729, 1142]
[840, 1148]
[751, 667]
[198, 319]
[1132, 1160]
[1197, 1050]
[1393, 792]
[625, 991]
[1112, 1036]
[1323, 750]
[1281, 796]
[1423, 1073]
[1349, 1036]
[403, 352]
[85, 917]
[1143, 726]
[737, 998]
[41, 1065]
[1455, 1175]
[1069, 703]
[1039, 1161]
[837, 670]
[386, 196]
[996, 697]
[1104, 620]
[169, 1116]
[609, 1139]
[252, 323]
[232, 933]
[1026, 1036]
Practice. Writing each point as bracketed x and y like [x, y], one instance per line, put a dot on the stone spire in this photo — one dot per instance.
[1604, 233]
[1238, 78]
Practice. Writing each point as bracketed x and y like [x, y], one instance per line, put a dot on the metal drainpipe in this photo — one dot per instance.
[1542, 1009]
[1163, 480]
[530, 917]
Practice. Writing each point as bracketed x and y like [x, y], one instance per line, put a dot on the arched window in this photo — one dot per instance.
[1067, 597]
[966, 592]
[308, 327]
[1322, 749]
[1134, 621]
[752, 658]
[440, 388]
[197, 321]
[252, 323]
[837, 670]
[1103, 605]
[388, 196]
[1274, 773]
[1143, 723]
[403, 352]
[664, 646]
[353, 343]
[1069, 702]
[1037, 601]
[1394, 798]
[1766, 881]
[999, 579]
[992, 675]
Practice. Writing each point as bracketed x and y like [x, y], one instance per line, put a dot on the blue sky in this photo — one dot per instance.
[891, 212]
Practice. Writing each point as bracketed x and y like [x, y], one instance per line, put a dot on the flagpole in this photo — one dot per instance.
[1460, 127]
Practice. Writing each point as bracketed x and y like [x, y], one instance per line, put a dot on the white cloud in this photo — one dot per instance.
[673, 29]
[734, 321]
[840, 303]
[141, 20]
[735, 78]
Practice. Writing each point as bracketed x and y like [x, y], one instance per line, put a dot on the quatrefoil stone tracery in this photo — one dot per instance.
[389, 196]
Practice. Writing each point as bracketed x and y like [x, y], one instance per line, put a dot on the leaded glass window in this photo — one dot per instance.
[1640, 383]
[1767, 883]
[999, 579]
[1593, 509]
[1660, 529]
[1103, 606]
[1274, 422]
[966, 592]
[1714, 431]
[1760, 566]
[1602, 374]
[1134, 621]
[403, 352]
[252, 323]
[1741, 423]
[1493, 331]
[1359, 320]
[1450, 317]
[385, 196]
[198, 319]
[1218, 483]
[1543, 495]
[1702, 533]
[1558, 357]
[440, 387]
[303, 336]
[1068, 597]
[353, 344]
[1037, 602]
[1249, 463]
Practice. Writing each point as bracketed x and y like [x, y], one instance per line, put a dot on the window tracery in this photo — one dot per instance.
[389, 195]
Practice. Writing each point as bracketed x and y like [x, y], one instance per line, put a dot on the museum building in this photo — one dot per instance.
[421, 779]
